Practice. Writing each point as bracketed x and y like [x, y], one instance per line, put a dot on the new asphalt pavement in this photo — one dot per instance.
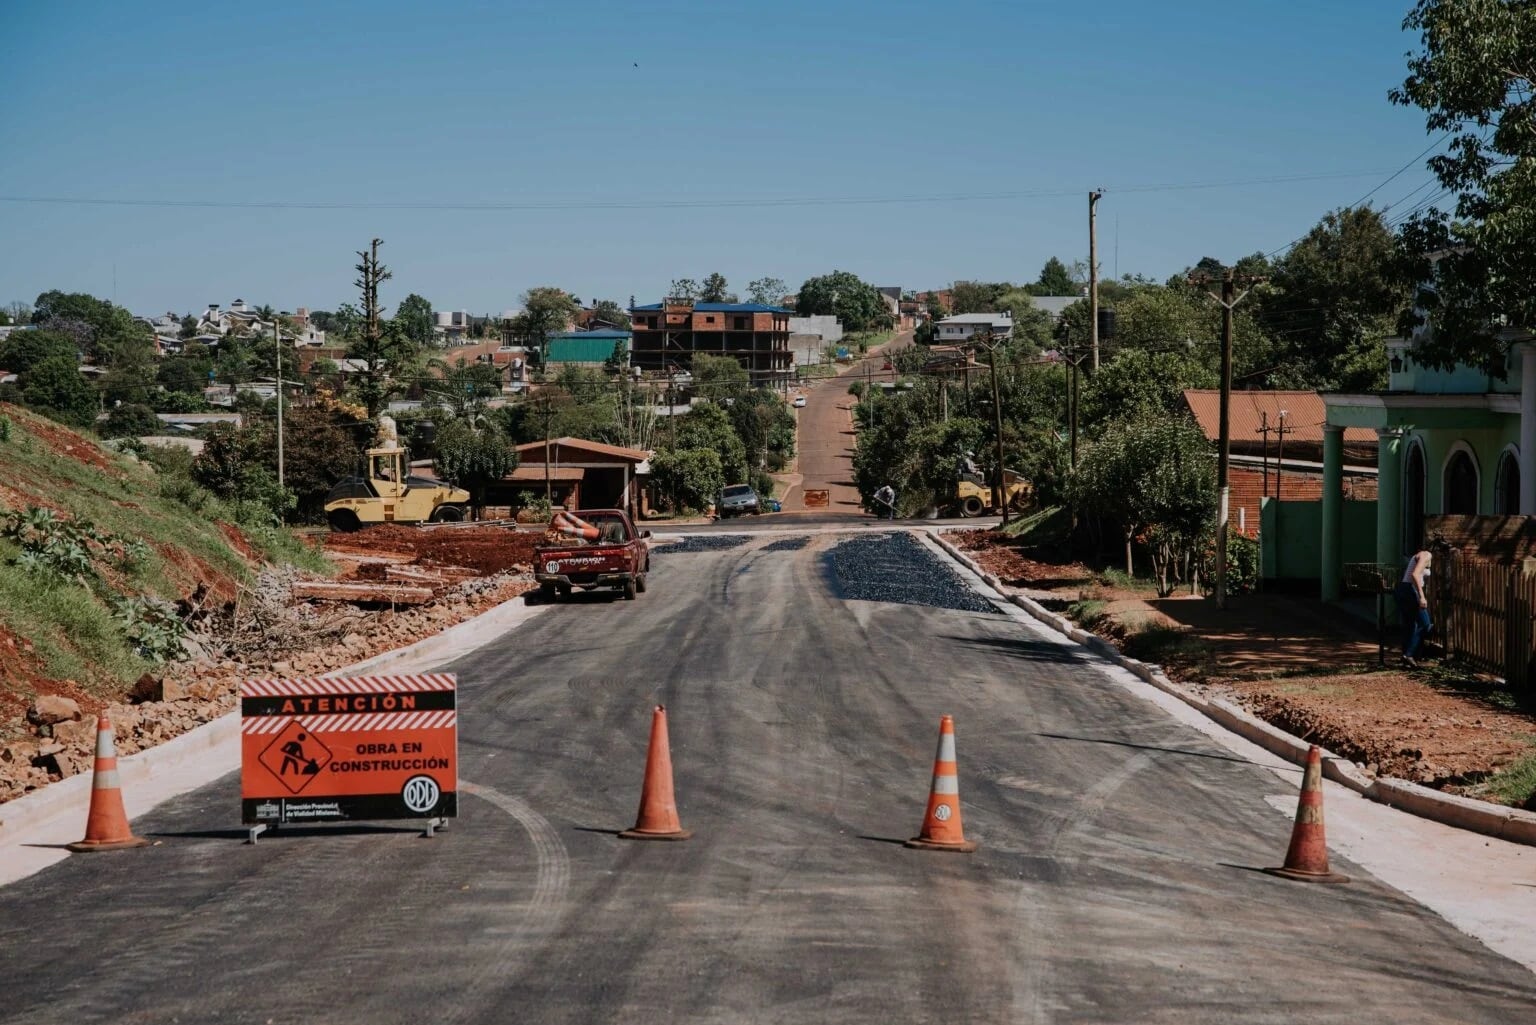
[1117, 876]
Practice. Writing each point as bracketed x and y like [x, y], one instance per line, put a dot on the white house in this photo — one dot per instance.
[963, 327]
[239, 318]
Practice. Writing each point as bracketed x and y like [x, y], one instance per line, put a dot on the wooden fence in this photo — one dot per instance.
[1484, 612]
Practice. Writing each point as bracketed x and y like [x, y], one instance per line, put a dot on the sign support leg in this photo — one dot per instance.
[254, 832]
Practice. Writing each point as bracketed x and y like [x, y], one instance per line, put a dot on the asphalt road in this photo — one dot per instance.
[1115, 881]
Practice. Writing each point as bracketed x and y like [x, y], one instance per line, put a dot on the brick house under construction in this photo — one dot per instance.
[667, 334]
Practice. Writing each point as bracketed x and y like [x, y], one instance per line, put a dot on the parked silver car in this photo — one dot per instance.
[736, 499]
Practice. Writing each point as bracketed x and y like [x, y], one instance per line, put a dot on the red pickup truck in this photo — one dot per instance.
[602, 549]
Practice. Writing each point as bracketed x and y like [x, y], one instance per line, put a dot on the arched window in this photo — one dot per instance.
[1506, 485]
[1413, 498]
[1459, 497]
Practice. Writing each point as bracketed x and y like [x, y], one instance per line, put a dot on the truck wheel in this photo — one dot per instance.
[448, 514]
[344, 521]
[640, 583]
[972, 507]
[630, 589]
[548, 593]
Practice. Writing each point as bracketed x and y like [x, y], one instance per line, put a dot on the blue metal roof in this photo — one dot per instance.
[720, 308]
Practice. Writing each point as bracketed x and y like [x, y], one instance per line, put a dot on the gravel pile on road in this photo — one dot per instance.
[704, 543]
[898, 568]
[787, 544]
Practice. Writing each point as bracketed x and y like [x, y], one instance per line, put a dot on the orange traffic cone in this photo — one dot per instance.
[658, 808]
[942, 830]
[1306, 860]
[575, 526]
[106, 825]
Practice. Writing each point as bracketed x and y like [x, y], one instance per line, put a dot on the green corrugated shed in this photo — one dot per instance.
[584, 346]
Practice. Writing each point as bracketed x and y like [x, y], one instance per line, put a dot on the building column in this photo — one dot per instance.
[1333, 512]
[1527, 431]
[1389, 496]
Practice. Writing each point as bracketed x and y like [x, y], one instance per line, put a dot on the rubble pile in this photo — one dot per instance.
[264, 632]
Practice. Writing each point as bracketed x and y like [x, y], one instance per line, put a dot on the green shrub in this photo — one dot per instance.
[152, 627]
[1242, 564]
[5, 428]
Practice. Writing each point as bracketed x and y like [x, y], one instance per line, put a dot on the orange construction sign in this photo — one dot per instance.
[320, 749]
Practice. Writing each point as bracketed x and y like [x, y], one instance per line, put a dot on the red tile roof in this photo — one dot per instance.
[1305, 415]
[533, 451]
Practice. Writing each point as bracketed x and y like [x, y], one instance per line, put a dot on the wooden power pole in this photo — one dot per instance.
[1228, 300]
[1093, 274]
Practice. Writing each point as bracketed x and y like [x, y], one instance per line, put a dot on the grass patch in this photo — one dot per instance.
[70, 624]
[1086, 612]
[73, 633]
[1123, 581]
[815, 371]
[1515, 784]
[1168, 646]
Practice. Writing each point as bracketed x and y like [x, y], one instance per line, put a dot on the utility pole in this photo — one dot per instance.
[277, 341]
[549, 414]
[1282, 431]
[1076, 402]
[1264, 452]
[1000, 488]
[1228, 300]
[1093, 274]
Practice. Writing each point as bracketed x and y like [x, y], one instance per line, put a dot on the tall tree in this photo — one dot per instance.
[1332, 301]
[683, 288]
[54, 386]
[414, 318]
[474, 456]
[1054, 279]
[719, 378]
[716, 289]
[20, 351]
[978, 296]
[767, 291]
[843, 295]
[546, 311]
[1475, 80]
[612, 312]
[377, 348]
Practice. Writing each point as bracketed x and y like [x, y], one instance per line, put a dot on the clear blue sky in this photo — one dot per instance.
[539, 105]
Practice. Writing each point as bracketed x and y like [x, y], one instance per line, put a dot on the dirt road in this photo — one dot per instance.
[826, 435]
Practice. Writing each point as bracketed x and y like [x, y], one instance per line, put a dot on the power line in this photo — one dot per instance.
[668, 204]
[1389, 179]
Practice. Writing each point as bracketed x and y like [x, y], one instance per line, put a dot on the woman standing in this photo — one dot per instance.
[1413, 604]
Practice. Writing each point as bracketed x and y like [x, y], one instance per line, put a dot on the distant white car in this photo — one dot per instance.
[799, 401]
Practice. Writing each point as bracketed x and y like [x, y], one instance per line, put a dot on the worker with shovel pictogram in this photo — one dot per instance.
[293, 754]
[296, 757]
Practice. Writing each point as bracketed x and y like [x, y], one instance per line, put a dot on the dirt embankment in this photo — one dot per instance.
[1308, 668]
[264, 631]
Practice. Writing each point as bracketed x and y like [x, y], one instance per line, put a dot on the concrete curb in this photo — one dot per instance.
[1511, 824]
[207, 752]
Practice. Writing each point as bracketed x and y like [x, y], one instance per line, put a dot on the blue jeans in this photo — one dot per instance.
[1416, 624]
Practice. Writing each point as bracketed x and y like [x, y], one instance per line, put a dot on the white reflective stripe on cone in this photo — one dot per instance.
[946, 784]
[106, 779]
[104, 748]
[946, 748]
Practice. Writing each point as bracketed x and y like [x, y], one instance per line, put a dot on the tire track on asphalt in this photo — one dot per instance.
[539, 916]
[1029, 978]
